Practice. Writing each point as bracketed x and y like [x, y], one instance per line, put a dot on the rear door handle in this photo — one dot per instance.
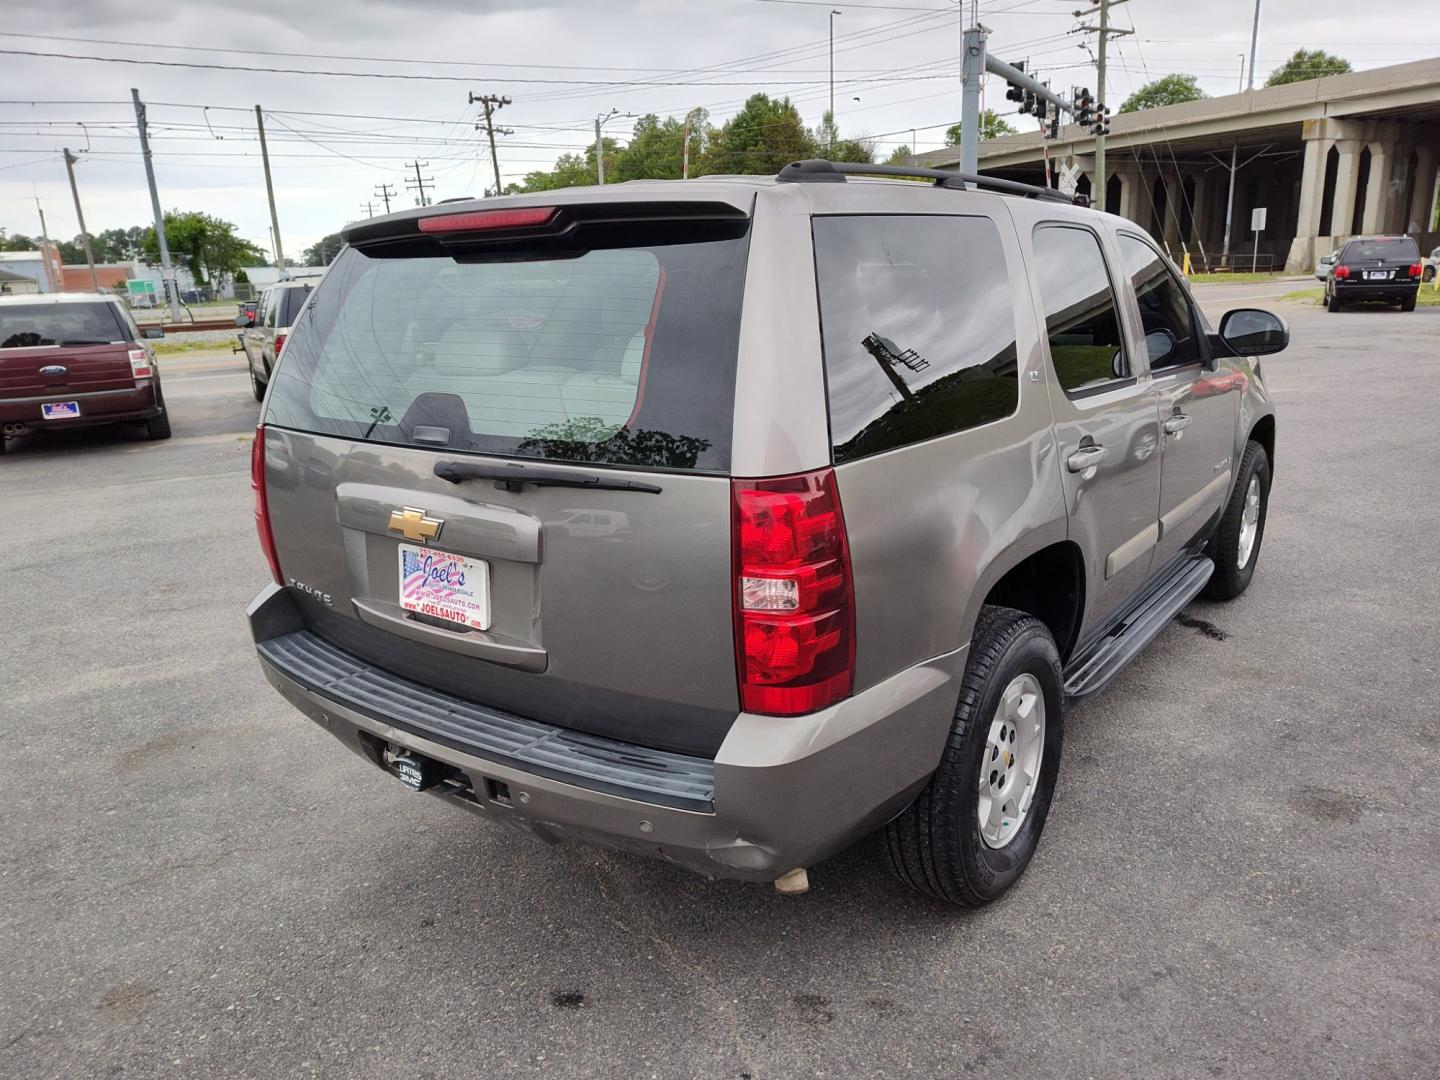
[1087, 457]
[1176, 424]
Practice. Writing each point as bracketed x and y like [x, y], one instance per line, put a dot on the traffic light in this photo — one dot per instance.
[1013, 92]
[1100, 121]
[1053, 131]
[1084, 107]
[1028, 104]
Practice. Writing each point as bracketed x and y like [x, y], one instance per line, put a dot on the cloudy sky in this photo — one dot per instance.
[335, 138]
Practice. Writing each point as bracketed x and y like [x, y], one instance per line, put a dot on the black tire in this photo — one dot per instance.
[158, 427]
[936, 846]
[257, 387]
[1230, 579]
[1408, 304]
[1332, 303]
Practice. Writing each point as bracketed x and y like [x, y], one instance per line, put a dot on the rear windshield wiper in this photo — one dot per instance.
[515, 477]
[82, 341]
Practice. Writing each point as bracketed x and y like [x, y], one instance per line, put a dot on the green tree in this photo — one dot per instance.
[829, 143]
[657, 148]
[1308, 64]
[761, 138]
[992, 126]
[118, 245]
[1169, 90]
[18, 242]
[208, 246]
[899, 156]
[323, 253]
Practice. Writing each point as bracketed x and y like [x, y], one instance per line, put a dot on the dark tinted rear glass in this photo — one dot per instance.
[617, 356]
[24, 326]
[918, 329]
[291, 301]
[1401, 249]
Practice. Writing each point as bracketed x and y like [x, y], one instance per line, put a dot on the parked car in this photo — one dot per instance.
[1322, 268]
[889, 473]
[263, 332]
[76, 360]
[1375, 268]
[1430, 264]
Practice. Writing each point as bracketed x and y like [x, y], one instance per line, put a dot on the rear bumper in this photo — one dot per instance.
[1370, 290]
[96, 407]
[781, 793]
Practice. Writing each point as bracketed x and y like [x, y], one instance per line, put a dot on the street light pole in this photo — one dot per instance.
[1254, 40]
[600, 146]
[833, 13]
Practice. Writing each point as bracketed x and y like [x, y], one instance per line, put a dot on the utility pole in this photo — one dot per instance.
[833, 13]
[384, 191]
[600, 146]
[50, 285]
[1102, 177]
[1254, 41]
[972, 73]
[172, 294]
[685, 153]
[369, 206]
[421, 181]
[492, 104]
[70, 160]
[270, 192]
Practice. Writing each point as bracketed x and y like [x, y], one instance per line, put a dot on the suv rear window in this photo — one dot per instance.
[290, 302]
[25, 326]
[614, 356]
[1401, 249]
[918, 328]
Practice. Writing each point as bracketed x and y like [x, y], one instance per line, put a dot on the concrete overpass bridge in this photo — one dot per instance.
[1327, 158]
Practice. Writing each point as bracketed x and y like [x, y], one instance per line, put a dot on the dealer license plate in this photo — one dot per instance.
[60, 410]
[445, 586]
[1377, 275]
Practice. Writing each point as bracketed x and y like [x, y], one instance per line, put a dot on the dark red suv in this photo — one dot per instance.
[76, 360]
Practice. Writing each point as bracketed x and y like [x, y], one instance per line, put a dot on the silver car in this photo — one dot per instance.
[730, 520]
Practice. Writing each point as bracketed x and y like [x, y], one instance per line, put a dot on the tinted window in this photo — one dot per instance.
[24, 326]
[288, 304]
[1164, 306]
[1401, 249]
[1080, 317]
[616, 356]
[917, 326]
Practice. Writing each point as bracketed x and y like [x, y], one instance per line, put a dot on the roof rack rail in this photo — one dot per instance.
[820, 171]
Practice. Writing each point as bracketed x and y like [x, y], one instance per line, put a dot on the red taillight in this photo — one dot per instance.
[140, 364]
[1342, 271]
[481, 220]
[1415, 269]
[262, 506]
[794, 601]
[279, 344]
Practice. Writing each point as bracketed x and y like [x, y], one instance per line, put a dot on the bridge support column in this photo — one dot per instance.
[1312, 193]
[1377, 188]
[1347, 182]
[1422, 205]
[1130, 201]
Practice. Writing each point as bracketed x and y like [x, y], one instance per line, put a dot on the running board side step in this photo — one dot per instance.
[1097, 664]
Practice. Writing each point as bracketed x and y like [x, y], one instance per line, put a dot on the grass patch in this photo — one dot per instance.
[168, 347]
[1428, 297]
[1236, 279]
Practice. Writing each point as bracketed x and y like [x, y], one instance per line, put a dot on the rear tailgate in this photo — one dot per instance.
[603, 607]
[41, 350]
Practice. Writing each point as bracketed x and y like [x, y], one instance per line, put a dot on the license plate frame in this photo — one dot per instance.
[59, 410]
[444, 585]
[1377, 275]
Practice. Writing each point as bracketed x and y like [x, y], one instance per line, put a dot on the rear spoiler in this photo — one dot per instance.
[441, 229]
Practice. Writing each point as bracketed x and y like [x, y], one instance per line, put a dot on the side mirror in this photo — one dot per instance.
[152, 333]
[1159, 344]
[242, 321]
[1252, 332]
[1117, 364]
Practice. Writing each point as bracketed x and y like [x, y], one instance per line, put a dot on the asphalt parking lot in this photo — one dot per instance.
[1240, 877]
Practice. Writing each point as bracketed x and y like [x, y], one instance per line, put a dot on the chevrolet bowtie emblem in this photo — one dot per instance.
[414, 525]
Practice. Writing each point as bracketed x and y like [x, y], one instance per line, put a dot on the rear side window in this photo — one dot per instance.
[289, 304]
[1081, 322]
[26, 326]
[1400, 249]
[917, 326]
[616, 356]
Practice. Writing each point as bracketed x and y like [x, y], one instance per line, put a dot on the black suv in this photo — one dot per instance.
[1384, 268]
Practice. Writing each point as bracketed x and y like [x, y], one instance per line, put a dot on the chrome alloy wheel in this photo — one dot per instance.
[1010, 767]
[1249, 523]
